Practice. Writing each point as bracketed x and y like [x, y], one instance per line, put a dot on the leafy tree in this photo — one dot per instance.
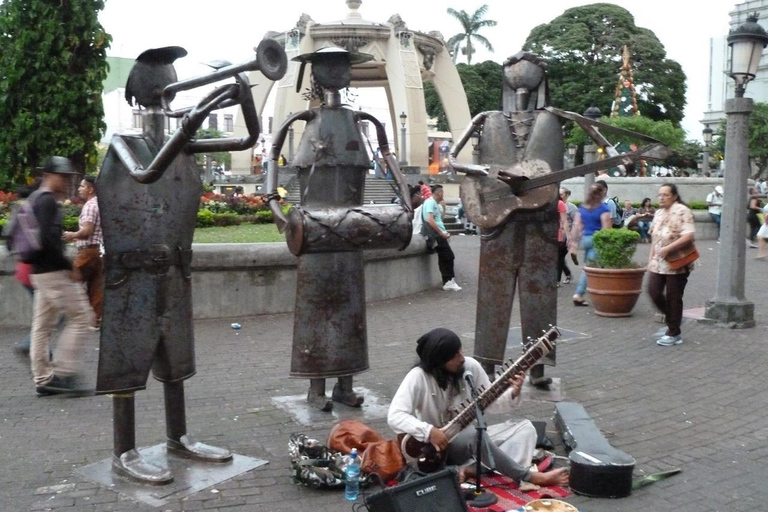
[471, 24]
[583, 48]
[482, 85]
[221, 157]
[52, 67]
[758, 140]
[664, 131]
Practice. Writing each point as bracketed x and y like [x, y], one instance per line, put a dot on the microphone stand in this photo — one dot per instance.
[479, 498]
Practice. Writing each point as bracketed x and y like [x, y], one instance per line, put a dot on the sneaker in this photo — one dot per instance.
[62, 386]
[451, 286]
[668, 341]
[567, 280]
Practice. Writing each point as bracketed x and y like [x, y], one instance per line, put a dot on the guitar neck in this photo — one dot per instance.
[531, 356]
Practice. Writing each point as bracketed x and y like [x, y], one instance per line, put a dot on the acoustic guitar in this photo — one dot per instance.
[425, 456]
[489, 200]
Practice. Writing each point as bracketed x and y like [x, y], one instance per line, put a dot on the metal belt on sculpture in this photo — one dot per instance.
[331, 228]
[512, 196]
[149, 191]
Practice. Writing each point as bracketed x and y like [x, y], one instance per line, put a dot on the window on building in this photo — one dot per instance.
[137, 119]
[213, 122]
[229, 123]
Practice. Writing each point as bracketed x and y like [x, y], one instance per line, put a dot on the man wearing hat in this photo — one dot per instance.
[435, 387]
[56, 293]
[715, 206]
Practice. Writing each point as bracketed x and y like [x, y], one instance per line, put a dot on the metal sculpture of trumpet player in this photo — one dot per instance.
[331, 228]
[512, 196]
[149, 191]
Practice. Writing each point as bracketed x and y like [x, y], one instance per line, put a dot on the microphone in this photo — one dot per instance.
[467, 376]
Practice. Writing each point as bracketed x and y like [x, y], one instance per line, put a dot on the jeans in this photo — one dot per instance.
[589, 254]
[666, 292]
[644, 226]
[445, 259]
[562, 266]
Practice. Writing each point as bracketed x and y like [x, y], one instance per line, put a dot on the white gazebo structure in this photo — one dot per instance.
[403, 61]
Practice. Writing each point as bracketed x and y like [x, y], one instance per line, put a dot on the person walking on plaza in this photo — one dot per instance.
[593, 216]
[715, 206]
[644, 219]
[562, 243]
[672, 230]
[432, 216]
[88, 266]
[754, 208]
[55, 291]
[762, 236]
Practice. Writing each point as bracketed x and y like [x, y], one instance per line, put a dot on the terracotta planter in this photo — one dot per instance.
[614, 292]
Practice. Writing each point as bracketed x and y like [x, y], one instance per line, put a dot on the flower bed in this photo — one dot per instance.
[215, 210]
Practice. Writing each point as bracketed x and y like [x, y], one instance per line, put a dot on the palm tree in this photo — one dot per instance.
[471, 25]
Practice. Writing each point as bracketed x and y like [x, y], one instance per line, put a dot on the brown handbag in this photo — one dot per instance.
[682, 257]
[378, 455]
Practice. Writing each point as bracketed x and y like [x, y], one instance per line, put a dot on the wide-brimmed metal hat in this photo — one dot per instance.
[326, 54]
[58, 165]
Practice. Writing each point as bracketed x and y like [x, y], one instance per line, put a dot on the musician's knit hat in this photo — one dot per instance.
[437, 347]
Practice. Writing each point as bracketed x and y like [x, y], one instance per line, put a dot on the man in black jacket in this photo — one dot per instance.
[56, 292]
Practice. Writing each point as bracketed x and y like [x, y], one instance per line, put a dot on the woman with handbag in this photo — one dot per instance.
[671, 260]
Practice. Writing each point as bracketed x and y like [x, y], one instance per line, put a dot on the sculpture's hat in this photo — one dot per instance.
[329, 55]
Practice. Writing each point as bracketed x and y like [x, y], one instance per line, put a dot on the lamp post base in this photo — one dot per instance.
[736, 315]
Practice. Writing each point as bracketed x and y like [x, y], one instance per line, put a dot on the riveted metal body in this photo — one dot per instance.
[329, 231]
[148, 231]
[331, 227]
[518, 248]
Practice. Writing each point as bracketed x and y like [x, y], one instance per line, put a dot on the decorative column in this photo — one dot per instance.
[730, 307]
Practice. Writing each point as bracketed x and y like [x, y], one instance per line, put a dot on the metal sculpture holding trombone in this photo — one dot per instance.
[149, 192]
[331, 228]
[512, 196]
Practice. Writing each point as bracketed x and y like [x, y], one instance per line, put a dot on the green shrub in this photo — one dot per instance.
[615, 248]
[697, 205]
[71, 223]
[226, 219]
[262, 217]
[204, 219]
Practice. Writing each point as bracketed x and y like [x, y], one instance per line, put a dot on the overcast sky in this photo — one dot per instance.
[229, 29]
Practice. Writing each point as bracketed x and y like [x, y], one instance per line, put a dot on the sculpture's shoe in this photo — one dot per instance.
[132, 465]
[319, 402]
[346, 397]
[537, 379]
[190, 449]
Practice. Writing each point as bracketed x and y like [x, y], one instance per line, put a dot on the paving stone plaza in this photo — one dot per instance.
[699, 406]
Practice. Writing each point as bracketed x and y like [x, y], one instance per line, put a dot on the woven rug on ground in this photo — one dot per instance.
[511, 497]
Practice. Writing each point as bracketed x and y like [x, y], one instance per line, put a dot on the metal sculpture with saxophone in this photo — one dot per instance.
[149, 191]
[331, 228]
[512, 196]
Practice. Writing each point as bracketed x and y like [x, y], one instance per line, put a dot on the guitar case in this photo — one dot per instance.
[597, 469]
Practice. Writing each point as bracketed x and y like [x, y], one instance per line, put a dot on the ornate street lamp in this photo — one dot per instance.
[746, 42]
[290, 140]
[589, 149]
[475, 138]
[403, 159]
[706, 134]
[730, 307]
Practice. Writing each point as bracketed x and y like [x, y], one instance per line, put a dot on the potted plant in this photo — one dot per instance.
[614, 281]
